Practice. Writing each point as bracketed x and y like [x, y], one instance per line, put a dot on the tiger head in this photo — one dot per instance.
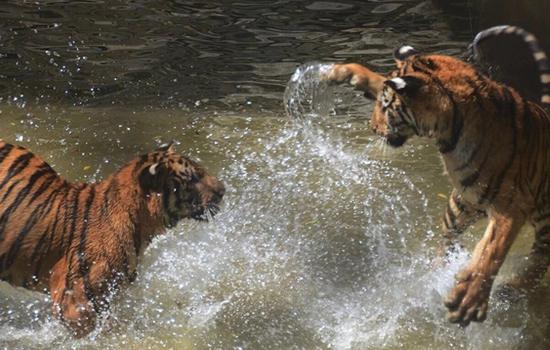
[416, 98]
[183, 186]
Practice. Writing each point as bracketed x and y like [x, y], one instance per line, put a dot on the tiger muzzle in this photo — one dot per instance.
[212, 193]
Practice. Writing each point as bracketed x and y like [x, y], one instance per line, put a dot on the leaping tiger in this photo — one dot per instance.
[495, 146]
[83, 241]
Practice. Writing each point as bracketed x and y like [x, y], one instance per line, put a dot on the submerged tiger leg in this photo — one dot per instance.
[468, 301]
[534, 268]
[70, 303]
[459, 214]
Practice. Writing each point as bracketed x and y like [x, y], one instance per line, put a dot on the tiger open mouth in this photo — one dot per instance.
[205, 212]
[396, 140]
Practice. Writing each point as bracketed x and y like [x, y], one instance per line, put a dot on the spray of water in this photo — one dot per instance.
[309, 98]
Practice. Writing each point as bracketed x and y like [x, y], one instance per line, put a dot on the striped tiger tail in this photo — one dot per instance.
[539, 55]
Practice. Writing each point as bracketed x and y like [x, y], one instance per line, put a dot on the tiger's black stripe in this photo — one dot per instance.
[66, 203]
[41, 245]
[108, 196]
[166, 194]
[456, 129]
[5, 151]
[44, 186]
[408, 118]
[137, 236]
[39, 249]
[35, 253]
[471, 156]
[23, 193]
[8, 191]
[35, 216]
[72, 228]
[477, 97]
[493, 188]
[84, 267]
[17, 166]
[471, 179]
[445, 146]
[177, 193]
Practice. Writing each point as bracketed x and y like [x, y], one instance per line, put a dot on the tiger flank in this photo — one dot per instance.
[495, 146]
[83, 241]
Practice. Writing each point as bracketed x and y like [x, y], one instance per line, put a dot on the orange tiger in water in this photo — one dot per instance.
[495, 147]
[83, 241]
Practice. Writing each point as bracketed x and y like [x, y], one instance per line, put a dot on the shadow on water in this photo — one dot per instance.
[325, 240]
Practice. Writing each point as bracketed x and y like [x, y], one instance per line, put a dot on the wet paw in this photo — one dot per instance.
[342, 73]
[469, 299]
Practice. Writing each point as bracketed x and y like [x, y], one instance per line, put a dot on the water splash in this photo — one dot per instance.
[312, 250]
[307, 95]
[319, 245]
[310, 98]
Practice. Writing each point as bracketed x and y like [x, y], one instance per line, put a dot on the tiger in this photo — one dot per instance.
[81, 242]
[495, 147]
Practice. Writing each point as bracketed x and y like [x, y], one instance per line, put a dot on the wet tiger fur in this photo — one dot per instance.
[495, 147]
[83, 241]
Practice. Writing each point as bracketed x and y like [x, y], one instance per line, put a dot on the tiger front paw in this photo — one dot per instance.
[358, 76]
[469, 299]
[343, 73]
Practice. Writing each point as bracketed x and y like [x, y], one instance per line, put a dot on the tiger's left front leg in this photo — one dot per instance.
[468, 301]
[459, 214]
[70, 303]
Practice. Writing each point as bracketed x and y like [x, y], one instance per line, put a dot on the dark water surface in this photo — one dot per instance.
[175, 53]
[326, 238]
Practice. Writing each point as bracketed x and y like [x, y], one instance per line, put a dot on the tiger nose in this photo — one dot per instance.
[219, 190]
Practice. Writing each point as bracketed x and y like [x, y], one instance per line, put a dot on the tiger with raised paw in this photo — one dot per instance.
[495, 147]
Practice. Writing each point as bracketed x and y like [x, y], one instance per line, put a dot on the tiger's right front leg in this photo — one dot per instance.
[358, 76]
[70, 303]
[459, 214]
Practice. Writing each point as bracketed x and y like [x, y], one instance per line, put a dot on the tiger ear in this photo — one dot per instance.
[167, 148]
[405, 85]
[403, 52]
[152, 177]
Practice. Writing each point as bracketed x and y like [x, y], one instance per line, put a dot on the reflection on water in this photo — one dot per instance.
[326, 238]
[188, 53]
